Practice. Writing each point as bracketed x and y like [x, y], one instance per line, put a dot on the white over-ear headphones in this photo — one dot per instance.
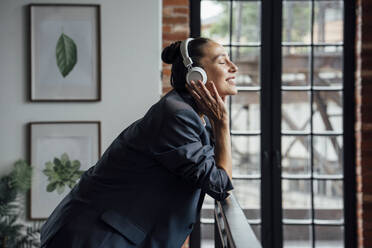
[194, 73]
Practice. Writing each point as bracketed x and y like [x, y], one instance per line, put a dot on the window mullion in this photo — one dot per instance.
[276, 59]
[349, 126]
[270, 204]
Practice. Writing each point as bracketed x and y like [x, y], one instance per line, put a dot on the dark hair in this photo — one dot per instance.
[172, 55]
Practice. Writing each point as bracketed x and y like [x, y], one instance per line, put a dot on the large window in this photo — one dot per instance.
[288, 119]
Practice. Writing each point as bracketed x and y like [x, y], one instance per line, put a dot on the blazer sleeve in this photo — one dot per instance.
[179, 149]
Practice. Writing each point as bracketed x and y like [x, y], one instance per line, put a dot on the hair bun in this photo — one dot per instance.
[171, 52]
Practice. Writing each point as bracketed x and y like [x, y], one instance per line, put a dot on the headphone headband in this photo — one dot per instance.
[187, 61]
[194, 73]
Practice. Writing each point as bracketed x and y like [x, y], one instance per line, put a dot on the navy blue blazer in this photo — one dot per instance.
[148, 187]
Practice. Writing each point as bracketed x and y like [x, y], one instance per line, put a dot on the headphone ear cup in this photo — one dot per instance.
[195, 74]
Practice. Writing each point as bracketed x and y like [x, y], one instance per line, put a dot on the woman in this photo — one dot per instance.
[148, 187]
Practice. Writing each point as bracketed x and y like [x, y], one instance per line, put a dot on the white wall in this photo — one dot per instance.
[131, 47]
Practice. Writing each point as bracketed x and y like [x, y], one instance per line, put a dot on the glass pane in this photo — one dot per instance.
[296, 199]
[328, 152]
[208, 203]
[248, 61]
[328, 199]
[215, 21]
[329, 236]
[245, 110]
[296, 155]
[247, 193]
[328, 21]
[257, 231]
[296, 21]
[295, 111]
[328, 66]
[295, 66]
[246, 155]
[246, 22]
[207, 235]
[207, 215]
[327, 111]
[296, 236]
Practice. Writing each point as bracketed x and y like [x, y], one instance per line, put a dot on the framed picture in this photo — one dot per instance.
[65, 52]
[60, 152]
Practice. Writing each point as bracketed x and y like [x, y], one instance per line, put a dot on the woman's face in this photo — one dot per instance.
[219, 68]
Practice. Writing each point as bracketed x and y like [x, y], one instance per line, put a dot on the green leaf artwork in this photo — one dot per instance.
[61, 173]
[66, 54]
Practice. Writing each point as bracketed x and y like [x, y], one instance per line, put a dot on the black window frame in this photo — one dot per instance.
[271, 45]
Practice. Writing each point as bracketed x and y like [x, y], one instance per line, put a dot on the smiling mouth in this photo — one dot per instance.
[230, 80]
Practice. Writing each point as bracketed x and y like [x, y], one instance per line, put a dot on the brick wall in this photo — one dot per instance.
[363, 131]
[175, 27]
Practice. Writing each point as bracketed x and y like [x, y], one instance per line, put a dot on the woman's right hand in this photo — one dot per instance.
[212, 105]
[209, 101]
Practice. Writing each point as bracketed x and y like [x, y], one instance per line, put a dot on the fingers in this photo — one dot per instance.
[205, 92]
[198, 99]
[215, 92]
[196, 90]
[209, 86]
[205, 97]
[200, 95]
[193, 92]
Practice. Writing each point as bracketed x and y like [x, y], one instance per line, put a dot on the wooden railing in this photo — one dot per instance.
[232, 229]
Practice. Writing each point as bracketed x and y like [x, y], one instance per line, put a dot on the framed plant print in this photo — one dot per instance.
[60, 152]
[65, 52]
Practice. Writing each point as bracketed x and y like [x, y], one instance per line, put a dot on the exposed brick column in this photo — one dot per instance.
[175, 27]
[363, 132]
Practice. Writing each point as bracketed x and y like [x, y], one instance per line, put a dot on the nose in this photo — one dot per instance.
[233, 67]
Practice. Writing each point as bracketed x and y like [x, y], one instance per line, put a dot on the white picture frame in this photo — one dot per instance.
[81, 141]
[65, 52]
